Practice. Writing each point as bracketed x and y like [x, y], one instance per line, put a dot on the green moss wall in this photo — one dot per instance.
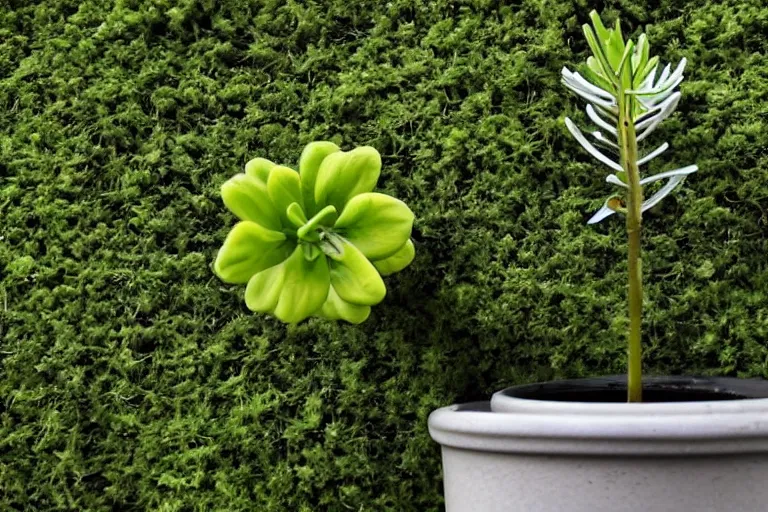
[132, 379]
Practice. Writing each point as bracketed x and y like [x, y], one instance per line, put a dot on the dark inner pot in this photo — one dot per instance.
[655, 389]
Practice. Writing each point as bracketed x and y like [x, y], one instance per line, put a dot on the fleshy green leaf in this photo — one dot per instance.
[597, 51]
[377, 224]
[248, 198]
[355, 278]
[311, 251]
[325, 217]
[398, 261]
[615, 47]
[292, 290]
[296, 215]
[305, 288]
[603, 34]
[591, 72]
[625, 70]
[248, 249]
[309, 164]
[641, 55]
[263, 290]
[284, 188]
[259, 168]
[343, 175]
[336, 308]
[595, 67]
[641, 75]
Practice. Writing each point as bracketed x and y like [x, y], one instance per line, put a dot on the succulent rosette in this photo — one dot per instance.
[314, 242]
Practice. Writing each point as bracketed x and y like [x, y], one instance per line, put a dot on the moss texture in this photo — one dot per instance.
[132, 379]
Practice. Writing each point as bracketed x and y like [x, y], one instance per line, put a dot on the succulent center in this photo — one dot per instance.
[315, 234]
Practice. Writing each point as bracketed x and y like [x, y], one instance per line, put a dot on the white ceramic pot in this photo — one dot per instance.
[706, 453]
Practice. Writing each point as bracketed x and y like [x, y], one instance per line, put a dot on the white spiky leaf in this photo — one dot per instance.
[615, 180]
[665, 110]
[653, 154]
[603, 140]
[589, 147]
[654, 88]
[581, 83]
[602, 213]
[599, 121]
[663, 192]
[683, 171]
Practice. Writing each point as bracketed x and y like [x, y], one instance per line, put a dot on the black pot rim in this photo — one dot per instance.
[677, 388]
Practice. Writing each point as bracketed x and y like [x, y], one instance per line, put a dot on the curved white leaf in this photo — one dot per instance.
[663, 192]
[589, 97]
[677, 75]
[599, 137]
[649, 102]
[611, 114]
[683, 171]
[664, 74]
[602, 213]
[647, 83]
[579, 81]
[645, 94]
[652, 96]
[589, 147]
[665, 81]
[599, 121]
[653, 154]
[644, 122]
[665, 110]
[615, 180]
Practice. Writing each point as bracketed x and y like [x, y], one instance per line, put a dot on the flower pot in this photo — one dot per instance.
[696, 444]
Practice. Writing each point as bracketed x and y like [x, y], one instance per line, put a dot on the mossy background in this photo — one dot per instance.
[132, 379]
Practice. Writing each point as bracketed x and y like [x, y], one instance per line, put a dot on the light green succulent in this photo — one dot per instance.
[314, 242]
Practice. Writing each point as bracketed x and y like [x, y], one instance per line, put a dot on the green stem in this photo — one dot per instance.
[628, 149]
[324, 216]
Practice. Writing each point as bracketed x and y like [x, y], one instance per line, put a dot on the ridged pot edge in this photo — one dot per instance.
[569, 428]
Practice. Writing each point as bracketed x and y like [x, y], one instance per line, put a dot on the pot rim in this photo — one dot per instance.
[607, 429]
[473, 426]
[749, 395]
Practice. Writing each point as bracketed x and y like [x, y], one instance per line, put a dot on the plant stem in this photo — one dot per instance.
[628, 149]
[307, 231]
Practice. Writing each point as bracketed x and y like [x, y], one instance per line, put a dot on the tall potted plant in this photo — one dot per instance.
[681, 443]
